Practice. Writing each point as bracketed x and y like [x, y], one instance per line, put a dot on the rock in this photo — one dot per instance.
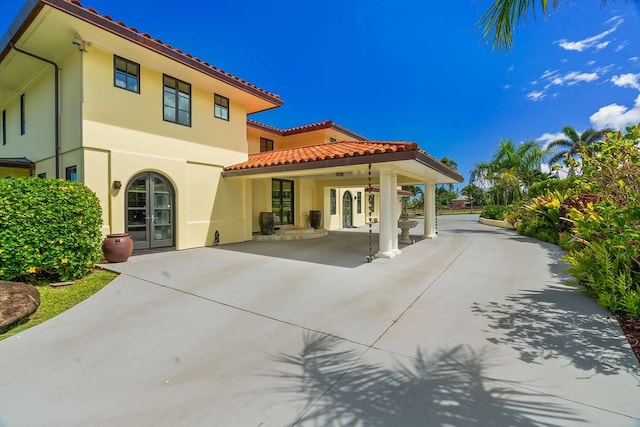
[17, 301]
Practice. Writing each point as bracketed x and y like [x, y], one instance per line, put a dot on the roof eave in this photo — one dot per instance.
[322, 164]
[19, 25]
[434, 164]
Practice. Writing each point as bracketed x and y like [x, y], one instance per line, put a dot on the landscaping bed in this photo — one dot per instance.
[631, 328]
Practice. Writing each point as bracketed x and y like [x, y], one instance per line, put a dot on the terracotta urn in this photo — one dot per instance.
[117, 247]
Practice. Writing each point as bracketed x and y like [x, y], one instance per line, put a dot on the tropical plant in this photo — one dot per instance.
[501, 18]
[573, 141]
[494, 212]
[450, 163]
[511, 171]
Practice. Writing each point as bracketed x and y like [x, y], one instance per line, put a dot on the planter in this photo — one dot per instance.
[117, 247]
[266, 220]
[315, 219]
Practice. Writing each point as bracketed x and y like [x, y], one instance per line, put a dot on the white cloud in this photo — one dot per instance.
[634, 59]
[572, 78]
[511, 68]
[591, 63]
[536, 95]
[627, 80]
[616, 116]
[546, 138]
[622, 46]
[596, 41]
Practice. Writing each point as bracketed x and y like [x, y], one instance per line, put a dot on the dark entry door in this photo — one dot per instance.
[347, 210]
[150, 211]
[282, 201]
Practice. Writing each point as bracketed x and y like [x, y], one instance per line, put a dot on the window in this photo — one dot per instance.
[4, 127]
[42, 175]
[332, 201]
[266, 144]
[177, 101]
[23, 122]
[359, 202]
[71, 173]
[221, 107]
[371, 204]
[126, 74]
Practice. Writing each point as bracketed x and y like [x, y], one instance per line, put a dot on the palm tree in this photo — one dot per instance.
[450, 163]
[512, 169]
[573, 142]
[502, 17]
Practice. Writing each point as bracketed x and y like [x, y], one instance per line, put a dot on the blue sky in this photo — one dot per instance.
[408, 70]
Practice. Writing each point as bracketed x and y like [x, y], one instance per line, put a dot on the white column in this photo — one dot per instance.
[385, 207]
[394, 213]
[429, 211]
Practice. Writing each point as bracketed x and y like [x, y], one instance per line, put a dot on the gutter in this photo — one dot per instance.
[57, 102]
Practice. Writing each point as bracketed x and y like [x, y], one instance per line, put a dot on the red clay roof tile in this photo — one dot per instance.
[315, 153]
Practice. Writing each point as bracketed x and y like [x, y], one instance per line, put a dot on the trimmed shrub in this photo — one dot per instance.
[48, 229]
[494, 212]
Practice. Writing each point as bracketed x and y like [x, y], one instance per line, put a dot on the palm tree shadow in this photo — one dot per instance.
[446, 388]
[559, 322]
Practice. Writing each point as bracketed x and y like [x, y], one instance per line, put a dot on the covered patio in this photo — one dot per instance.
[315, 170]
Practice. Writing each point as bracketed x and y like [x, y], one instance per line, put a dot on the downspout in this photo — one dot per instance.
[57, 106]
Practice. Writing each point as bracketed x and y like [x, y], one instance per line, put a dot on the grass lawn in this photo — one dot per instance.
[54, 301]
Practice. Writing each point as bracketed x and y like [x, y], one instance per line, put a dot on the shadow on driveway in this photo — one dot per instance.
[348, 249]
[446, 388]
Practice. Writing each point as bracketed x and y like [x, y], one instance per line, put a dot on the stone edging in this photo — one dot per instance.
[497, 223]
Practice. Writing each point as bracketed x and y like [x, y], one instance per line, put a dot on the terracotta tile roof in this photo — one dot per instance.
[327, 124]
[314, 153]
[76, 9]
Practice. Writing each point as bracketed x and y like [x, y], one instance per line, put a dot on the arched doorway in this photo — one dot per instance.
[150, 211]
[347, 210]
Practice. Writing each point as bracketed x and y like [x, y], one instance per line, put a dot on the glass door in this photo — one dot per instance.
[282, 201]
[150, 211]
[347, 210]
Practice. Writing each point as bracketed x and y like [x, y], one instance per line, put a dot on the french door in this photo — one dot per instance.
[150, 211]
[282, 201]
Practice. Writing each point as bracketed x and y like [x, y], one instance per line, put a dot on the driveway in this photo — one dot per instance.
[474, 328]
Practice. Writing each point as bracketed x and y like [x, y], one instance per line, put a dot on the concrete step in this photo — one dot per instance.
[300, 230]
[306, 234]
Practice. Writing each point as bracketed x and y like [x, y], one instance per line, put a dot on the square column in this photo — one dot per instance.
[386, 207]
[429, 211]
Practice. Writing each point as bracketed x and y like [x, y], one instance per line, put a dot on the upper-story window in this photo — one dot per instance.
[221, 107]
[266, 144]
[23, 119]
[177, 101]
[126, 74]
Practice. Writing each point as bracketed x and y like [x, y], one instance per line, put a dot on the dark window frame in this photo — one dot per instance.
[359, 202]
[372, 202]
[175, 96]
[126, 73]
[71, 173]
[4, 127]
[266, 144]
[333, 201]
[23, 119]
[219, 106]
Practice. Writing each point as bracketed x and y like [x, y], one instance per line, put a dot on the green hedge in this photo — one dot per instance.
[494, 212]
[48, 229]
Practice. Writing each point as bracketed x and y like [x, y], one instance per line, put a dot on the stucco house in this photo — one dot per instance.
[164, 139]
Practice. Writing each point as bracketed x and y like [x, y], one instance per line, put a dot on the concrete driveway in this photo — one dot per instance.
[474, 328]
